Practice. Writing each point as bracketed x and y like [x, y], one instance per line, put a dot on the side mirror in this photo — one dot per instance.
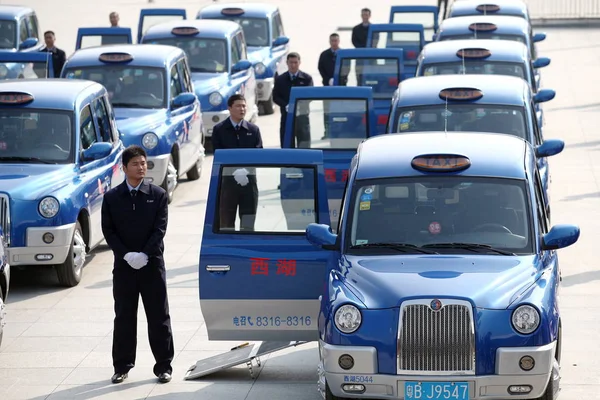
[280, 41]
[321, 235]
[544, 95]
[96, 151]
[541, 62]
[183, 100]
[242, 65]
[560, 236]
[539, 37]
[28, 43]
[549, 148]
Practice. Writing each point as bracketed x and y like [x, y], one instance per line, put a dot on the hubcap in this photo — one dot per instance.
[2, 314]
[79, 253]
[321, 382]
[171, 176]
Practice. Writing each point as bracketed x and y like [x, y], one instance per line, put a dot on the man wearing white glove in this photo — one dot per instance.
[134, 223]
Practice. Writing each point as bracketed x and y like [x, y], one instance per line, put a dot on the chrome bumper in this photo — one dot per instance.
[37, 252]
[157, 169]
[210, 119]
[378, 386]
[264, 88]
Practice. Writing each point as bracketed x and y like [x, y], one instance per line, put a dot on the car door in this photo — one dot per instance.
[264, 282]
[153, 16]
[193, 127]
[280, 52]
[334, 120]
[428, 16]
[91, 37]
[408, 37]
[27, 65]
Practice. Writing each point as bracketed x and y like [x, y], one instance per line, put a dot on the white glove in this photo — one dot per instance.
[139, 260]
[129, 257]
[330, 81]
[287, 108]
[241, 176]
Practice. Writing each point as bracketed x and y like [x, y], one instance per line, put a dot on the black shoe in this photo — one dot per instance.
[118, 377]
[165, 377]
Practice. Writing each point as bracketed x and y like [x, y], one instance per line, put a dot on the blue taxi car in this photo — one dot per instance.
[26, 65]
[19, 29]
[218, 60]
[59, 153]
[408, 37]
[267, 44]
[154, 101]
[4, 283]
[442, 244]
[428, 16]
[92, 37]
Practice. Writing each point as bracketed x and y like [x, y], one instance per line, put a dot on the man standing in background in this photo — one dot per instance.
[113, 17]
[58, 56]
[361, 31]
[327, 70]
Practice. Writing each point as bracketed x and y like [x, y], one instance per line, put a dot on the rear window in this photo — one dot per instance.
[381, 74]
[390, 40]
[422, 18]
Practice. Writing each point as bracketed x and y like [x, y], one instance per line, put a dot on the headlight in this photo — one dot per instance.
[3, 71]
[525, 319]
[215, 99]
[259, 69]
[150, 140]
[48, 207]
[348, 318]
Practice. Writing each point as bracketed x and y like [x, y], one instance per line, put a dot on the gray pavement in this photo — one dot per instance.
[57, 341]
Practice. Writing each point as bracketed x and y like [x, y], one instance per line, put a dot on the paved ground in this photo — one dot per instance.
[57, 341]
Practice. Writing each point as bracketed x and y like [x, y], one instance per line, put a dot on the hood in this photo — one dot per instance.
[32, 181]
[137, 121]
[258, 54]
[492, 282]
[206, 83]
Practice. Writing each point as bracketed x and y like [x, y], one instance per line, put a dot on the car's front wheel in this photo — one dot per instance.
[2, 315]
[69, 272]
[553, 387]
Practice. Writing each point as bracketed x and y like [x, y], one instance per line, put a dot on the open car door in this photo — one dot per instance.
[154, 16]
[260, 279]
[408, 37]
[335, 120]
[428, 16]
[26, 65]
[91, 37]
[380, 69]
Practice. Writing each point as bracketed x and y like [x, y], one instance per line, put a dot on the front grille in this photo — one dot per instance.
[5, 217]
[440, 341]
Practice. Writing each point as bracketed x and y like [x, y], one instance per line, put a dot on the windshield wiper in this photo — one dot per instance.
[406, 247]
[469, 246]
[128, 105]
[26, 159]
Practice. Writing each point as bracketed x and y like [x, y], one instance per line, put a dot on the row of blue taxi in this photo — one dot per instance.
[412, 236]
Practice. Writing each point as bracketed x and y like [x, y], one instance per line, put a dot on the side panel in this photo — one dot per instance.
[153, 16]
[91, 37]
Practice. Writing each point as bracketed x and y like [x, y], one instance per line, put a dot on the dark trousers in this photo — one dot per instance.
[301, 131]
[238, 199]
[442, 14]
[151, 283]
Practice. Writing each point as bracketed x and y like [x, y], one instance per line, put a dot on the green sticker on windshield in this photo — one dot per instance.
[361, 241]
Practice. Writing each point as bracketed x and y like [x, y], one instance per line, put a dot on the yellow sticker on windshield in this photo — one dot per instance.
[220, 67]
[365, 205]
[428, 72]
[404, 126]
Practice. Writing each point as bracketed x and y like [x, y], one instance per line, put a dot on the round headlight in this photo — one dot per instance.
[525, 319]
[48, 207]
[348, 318]
[259, 69]
[215, 99]
[3, 70]
[150, 140]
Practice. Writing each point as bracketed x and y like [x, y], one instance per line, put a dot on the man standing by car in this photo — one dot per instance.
[281, 97]
[134, 223]
[361, 31]
[327, 70]
[58, 56]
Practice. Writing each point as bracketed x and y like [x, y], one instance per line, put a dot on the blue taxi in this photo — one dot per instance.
[513, 8]
[92, 37]
[267, 44]
[19, 29]
[408, 37]
[4, 283]
[59, 153]
[428, 16]
[218, 60]
[26, 65]
[442, 244]
[154, 101]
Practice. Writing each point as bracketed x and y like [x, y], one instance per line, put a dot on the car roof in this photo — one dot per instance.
[208, 28]
[250, 9]
[11, 12]
[505, 25]
[497, 89]
[507, 7]
[501, 50]
[144, 55]
[491, 154]
[53, 93]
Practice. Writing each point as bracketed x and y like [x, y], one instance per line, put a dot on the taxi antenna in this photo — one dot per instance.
[446, 118]
[464, 69]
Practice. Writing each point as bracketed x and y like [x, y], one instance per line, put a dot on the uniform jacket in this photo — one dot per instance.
[58, 60]
[135, 224]
[226, 137]
[283, 87]
[360, 34]
[327, 65]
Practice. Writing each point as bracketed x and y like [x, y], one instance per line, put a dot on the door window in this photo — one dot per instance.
[185, 73]
[33, 26]
[23, 34]
[235, 52]
[242, 46]
[103, 120]
[87, 129]
[175, 82]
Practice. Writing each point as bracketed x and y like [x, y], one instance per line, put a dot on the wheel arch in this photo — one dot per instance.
[84, 220]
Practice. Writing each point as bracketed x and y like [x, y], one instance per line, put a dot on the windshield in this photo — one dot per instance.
[28, 70]
[8, 34]
[330, 124]
[30, 135]
[103, 40]
[256, 30]
[204, 55]
[476, 67]
[484, 35]
[390, 40]
[381, 74]
[422, 18]
[130, 87]
[462, 117]
[426, 210]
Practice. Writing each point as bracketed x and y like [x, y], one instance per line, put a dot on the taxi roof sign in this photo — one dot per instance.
[115, 57]
[483, 27]
[473, 53]
[486, 8]
[185, 31]
[440, 162]
[461, 94]
[232, 11]
[15, 98]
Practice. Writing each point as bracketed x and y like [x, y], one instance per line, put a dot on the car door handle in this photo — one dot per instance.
[218, 268]
[297, 175]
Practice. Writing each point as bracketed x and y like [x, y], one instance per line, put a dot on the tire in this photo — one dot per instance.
[70, 272]
[2, 316]
[553, 387]
[267, 106]
[169, 184]
[196, 171]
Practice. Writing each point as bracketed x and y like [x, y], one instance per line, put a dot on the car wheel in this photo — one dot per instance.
[170, 182]
[69, 273]
[2, 316]
[267, 107]
[553, 387]
[194, 173]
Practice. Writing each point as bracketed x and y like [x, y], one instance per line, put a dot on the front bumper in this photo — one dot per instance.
[379, 386]
[264, 88]
[37, 252]
[157, 169]
[210, 119]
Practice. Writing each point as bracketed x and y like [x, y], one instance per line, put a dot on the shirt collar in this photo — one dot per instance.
[131, 187]
[235, 124]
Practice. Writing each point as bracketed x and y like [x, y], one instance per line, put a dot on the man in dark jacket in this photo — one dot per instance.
[281, 97]
[360, 32]
[58, 56]
[327, 60]
[134, 223]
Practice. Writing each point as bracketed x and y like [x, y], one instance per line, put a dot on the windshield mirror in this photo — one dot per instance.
[476, 68]
[204, 55]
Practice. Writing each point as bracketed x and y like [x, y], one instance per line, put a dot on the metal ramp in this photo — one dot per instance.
[247, 353]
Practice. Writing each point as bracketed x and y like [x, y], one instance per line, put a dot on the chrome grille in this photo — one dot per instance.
[436, 342]
[5, 217]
